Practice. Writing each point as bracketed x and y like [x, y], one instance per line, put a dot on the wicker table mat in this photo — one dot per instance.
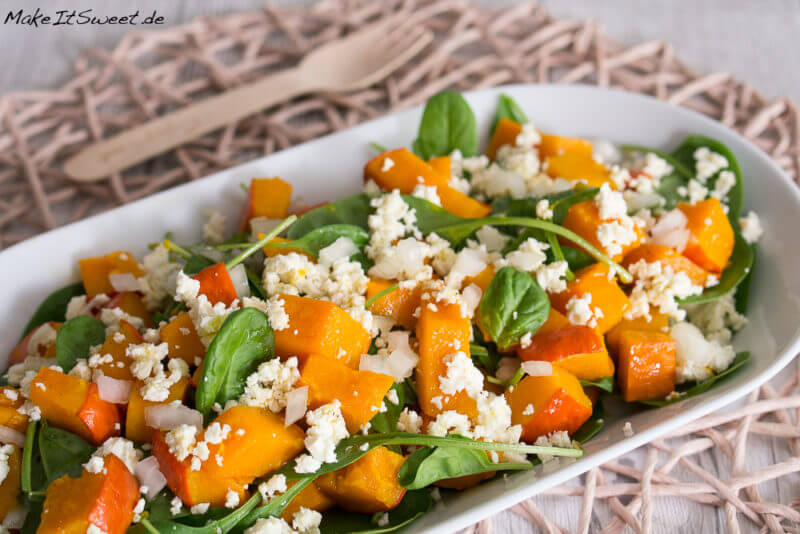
[149, 73]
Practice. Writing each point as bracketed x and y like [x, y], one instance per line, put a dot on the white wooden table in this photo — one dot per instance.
[754, 40]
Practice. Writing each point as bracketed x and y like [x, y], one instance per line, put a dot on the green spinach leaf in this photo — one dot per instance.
[414, 504]
[353, 210]
[254, 281]
[593, 425]
[321, 237]
[606, 384]
[509, 109]
[385, 422]
[75, 337]
[430, 218]
[242, 343]
[196, 263]
[62, 452]
[485, 356]
[576, 258]
[742, 296]
[447, 124]
[669, 184]
[739, 266]
[513, 306]
[54, 307]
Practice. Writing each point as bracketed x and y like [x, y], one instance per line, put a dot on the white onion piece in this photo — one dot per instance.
[296, 402]
[113, 390]
[606, 152]
[536, 368]
[676, 239]
[638, 201]
[15, 518]
[171, 416]
[402, 363]
[124, 282]
[9, 435]
[239, 278]
[507, 368]
[672, 220]
[340, 249]
[472, 295]
[263, 225]
[469, 262]
[375, 363]
[213, 254]
[149, 474]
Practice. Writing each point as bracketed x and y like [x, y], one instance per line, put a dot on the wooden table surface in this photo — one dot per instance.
[753, 40]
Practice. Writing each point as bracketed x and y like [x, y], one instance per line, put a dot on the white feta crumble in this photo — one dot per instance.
[207, 318]
[655, 166]
[543, 210]
[697, 358]
[214, 227]
[492, 238]
[121, 448]
[5, 455]
[580, 311]
[326, 429]
[306, 520]
[616, 234]
[231, 499]
[200, 508]
[658, 286]
[427, 192]
[724, 183]
[409, 421]
[610, 204]
[276, 485]
[388, 163]
[751, 227]
[462, 375]
[270, 385]
[717, 319]
[175, 506]
[708, 163]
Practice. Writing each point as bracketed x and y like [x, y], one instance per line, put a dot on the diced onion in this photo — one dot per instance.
[402, 363]
[676, 239]
[124, 282]
[469, 262]
[375, 363]
[536, 368]
[171, 416]
[507, 368]
[263, 225]
[672, 220]
[606, 151]
[113, 390]
[9, 435]
[342, 248]
[638, 201]
[239, 278]
[671, 231]
[15, 518]
[472, 295]
[149, 474]
[296, 402]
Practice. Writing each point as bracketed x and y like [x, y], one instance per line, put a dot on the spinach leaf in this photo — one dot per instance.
[387, 421]
[447, 124]
[576, 258]
[219, 525]
[32, 476]
[353, 210]
[507, 108]
[172, 309]
[254, 281]
[593, 425]
[513, 306]
[413, 505]
[321, 237]
[742, 295]
[606, 384]
[560, 203]
[196, 263]
[242, 343]
[737, 270]
[431, 464]
[33, 517]
[430, 218]
[62, 452]
[669, 184]
[685, 154]
[54, 307]
[75, 337]
[485, 356]
[738, 362]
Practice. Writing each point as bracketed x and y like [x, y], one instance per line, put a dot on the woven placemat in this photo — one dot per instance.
[150, 73]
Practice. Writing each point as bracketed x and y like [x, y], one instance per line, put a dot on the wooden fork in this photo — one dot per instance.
[354, 62]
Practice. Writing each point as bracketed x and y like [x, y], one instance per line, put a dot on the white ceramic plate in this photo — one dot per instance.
[331, 167]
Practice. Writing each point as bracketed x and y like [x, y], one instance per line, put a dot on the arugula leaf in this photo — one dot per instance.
[254, 281]
[62, 452]
[431, 218]
[219, 525]
[669, 184]
[321, 237]
[354, 210]
[576, 258]
[447, 124]
[387, 421]
[54, 307]
[486, 356]
[606, 384]
[196, 263]
[509, 109]
[243, 342]
[739, 266]
[738, 362]
[431, 464]
[76, 337]
[593, 425]
[735, 197]
[513, 305]
[414, 504]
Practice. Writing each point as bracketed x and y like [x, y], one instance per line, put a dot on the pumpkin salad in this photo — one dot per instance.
[342, 368]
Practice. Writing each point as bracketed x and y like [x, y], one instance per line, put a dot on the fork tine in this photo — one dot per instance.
[415, 40]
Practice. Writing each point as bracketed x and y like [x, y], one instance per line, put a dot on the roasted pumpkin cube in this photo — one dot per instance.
[555, 145]
[321, 327]
[216, 284]
[482, 279]
[584, 219]
[667, 257]
[399, 304]
[606, 295]
[441, 331]
[309, 497]
[73, 404]
[131, 303]
[136, 428]
[266, 197]
[10, 402]
[646, 365]
[711, 236]
[105, 500]
[368, 485]
[182, 339]
[95, 271]
[277, 251]
[45, 350]
[115, 346]
[10, 487]
[576, 348]
[658, 322]
[505, 133]
[576, 166]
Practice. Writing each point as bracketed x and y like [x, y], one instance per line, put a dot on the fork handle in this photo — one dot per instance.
[159, 135]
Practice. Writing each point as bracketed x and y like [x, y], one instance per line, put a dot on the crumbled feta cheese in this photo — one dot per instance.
[270, 525]
[306, 520]
[82, 305]
[708, 163]
[462, 375]
[751, 227]
[543, 209]
[122, 449]
[610, 204]
[492, 238]
[527, 137]
[214, 227]
[655, 166]
[274, 486]
[696, 192]
[270, 385]
[326, 429]
[616, 234]
[388, 163]
[724, 183]
[231, 499]
[529, 256]
[409, 421]
[579, 311]
[427, 192]
[175, 506]
[717, 319]
[658, 286]
[698, 358]
[200, 508]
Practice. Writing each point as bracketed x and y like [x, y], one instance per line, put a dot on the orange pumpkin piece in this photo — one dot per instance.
[309, 497]
[10, 487]
[576, 348]
[646, 365]
[658, 323]
[73, 404]
[606, 295]
[10, 401]
[399, 304]
[576, 166]
[584, 219]
[368, 485]
[105, 500]
[360, 392]
[135, 427]
[131, 303]
[321, 327]
[668, 258]
[267, 197]
[216, 284]
[555, 321]
[276, 251]
[545, 404]
[482, 279]
[555, 145]
[115, 345]
[711, 237]
[20, 352]
[182, 339]
[257, 444]
[505, 133]
[95, 271]
[441, 332]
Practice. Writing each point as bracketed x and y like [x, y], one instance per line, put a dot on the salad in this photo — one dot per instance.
[342, 367]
